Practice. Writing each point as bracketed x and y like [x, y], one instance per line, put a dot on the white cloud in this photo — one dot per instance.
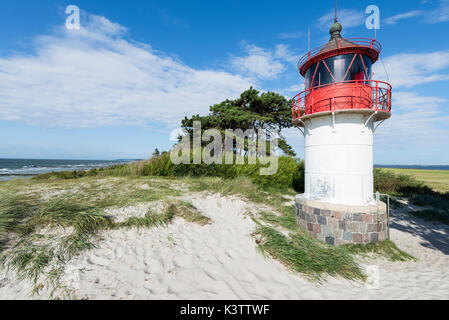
[435, 15]
[440, 14]
[292, 90]
[263, 63]
[418, 129]
[408, 70]
[347, 17]
[410, 14]
[259, 63]
[96, 76]
[416, 121]
[410, 103]
[284, 52]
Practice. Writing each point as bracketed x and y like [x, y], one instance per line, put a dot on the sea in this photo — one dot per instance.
[27, 168]
[418, 167]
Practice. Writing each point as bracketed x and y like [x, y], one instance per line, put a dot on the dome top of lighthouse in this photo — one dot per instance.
[335, 30]
[337, 41]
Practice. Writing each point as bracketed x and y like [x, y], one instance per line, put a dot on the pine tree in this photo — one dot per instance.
[269, 111]
[156, 153]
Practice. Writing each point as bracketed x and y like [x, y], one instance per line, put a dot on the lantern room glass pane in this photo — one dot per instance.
[309, 76]
[356, 72]
[338, 66]
[322, 76]
[368, 65]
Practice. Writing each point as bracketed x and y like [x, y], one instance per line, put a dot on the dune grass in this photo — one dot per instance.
[32, 253]
[385, 249]
[190, 213]
[290, 173]
[180, 209]
[38, 235]
[308, 256]
[303, 254]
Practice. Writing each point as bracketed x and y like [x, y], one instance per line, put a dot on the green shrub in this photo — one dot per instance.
[299, 178]
[398, 184]
[290, 173]
[417, 192]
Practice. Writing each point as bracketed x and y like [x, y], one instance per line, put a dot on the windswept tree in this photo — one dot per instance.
[156, 153]
[269, 111]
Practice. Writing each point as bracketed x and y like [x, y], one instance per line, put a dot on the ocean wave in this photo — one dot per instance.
[36, 167]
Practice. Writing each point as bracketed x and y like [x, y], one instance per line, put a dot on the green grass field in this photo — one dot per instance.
[436, 179]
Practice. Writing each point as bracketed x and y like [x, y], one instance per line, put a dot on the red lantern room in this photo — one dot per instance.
[338, 77]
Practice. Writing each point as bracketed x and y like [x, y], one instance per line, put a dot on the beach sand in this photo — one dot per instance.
[220, 261]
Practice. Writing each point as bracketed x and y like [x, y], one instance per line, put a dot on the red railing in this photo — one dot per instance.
[358, 42]
[346, 95]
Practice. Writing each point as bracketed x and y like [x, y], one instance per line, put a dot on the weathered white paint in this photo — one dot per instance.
[339, 158]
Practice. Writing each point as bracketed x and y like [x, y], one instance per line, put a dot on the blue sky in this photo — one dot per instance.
[119, 86]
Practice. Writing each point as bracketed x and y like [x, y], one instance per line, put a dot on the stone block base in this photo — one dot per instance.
[340, 224]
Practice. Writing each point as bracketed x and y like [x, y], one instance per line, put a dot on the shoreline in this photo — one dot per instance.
[19, 174]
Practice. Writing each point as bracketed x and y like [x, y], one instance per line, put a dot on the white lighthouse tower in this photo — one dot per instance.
[338, 113]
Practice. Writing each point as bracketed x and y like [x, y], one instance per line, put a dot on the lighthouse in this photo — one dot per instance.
[338, 113]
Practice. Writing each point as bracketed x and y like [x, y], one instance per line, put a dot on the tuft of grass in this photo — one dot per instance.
[190, 213]
[286, 219]
[71, 245]
[150, 220]
[180, 209]
[303, 254]
[64, 212]
[29, 260]
[387, 249]
[13, 210]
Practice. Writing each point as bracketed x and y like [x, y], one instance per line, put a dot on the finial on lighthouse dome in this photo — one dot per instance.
[335, 30]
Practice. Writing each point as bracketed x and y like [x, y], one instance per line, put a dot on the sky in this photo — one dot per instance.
[119, 86]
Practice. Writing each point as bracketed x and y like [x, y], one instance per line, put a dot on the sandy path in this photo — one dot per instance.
[220, 261]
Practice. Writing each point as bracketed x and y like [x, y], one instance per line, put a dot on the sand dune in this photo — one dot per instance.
[220, 261]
